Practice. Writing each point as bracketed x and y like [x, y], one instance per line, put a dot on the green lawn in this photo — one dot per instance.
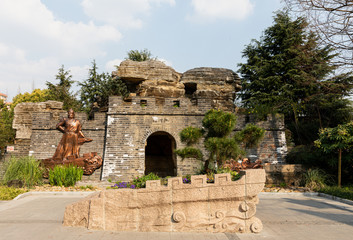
[343, 192]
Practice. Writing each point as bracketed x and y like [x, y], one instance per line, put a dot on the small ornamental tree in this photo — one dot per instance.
[140, 55]
[338, 139]
[217, 128]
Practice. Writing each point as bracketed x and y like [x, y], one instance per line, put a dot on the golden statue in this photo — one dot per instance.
[68, 150]
[72, 138]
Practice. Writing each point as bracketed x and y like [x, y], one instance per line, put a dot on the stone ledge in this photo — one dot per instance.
[225, 206]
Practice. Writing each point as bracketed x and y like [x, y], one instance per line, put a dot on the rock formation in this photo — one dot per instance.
[154, 78]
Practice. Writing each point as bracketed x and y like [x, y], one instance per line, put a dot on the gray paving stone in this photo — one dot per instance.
[285, 217]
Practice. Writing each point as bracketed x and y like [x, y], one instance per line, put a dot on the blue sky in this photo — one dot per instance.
[38, 36]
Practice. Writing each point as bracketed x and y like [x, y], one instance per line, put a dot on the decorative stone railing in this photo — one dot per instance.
[222, 206]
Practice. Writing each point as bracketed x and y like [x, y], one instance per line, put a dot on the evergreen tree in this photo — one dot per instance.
[7, 134]
[287, 71]
[95, 91]
[61, 91]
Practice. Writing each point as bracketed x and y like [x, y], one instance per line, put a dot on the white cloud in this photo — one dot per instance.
[122, 13]
[79, 73]
[30, 23]
[209, 10]
[34, 44]
[111, 65]
[166, 62]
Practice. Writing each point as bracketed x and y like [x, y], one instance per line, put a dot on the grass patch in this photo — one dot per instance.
[9, 193]
[24, 169]
[342, 192]
[65, 175]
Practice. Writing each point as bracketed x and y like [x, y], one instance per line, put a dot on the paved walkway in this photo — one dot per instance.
[285, 216]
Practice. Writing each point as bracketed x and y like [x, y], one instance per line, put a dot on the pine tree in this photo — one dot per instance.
[95, 91]
[61, 91]
[288, 71]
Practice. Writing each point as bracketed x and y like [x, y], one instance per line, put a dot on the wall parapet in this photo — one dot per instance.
[159, 105]
[224, 206]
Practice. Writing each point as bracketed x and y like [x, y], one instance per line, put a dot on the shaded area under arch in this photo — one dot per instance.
[159, 154]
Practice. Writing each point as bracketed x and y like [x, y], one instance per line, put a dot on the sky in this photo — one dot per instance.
[39, 36]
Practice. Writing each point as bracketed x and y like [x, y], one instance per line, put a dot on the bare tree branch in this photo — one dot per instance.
[332, 20]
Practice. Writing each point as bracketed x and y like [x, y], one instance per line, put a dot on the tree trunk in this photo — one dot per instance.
[339, 166]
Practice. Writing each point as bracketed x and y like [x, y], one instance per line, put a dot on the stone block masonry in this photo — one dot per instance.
[222, 206]
[138, 135]
[131, 123]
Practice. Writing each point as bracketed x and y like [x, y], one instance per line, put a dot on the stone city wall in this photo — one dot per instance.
[273, 147]
[120, 136]
[37, 136]
[130, 124]
[222, 206]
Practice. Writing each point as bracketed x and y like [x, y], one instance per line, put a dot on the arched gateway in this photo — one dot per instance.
[159, 154]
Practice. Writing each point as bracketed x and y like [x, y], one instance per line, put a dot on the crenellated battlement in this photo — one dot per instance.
[223, 206]
[159, 105]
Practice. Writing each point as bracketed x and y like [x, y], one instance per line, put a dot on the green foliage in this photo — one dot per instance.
[190, 135]
[217, 127]
[140, 182]
[234, 174]
[140, 56]
[9, 193]
[65, 175]
[37, 95]
[189, 152]
[90, 187]
[261, 111]
[338, 139]
[218, 123]
[221, 149]
[61, 91]
[342, 192]
[7, 133]
[289, 71]
[283, 67]
[25, 169]
[95, 91]
[315, 179]
[333, 139]
[250, 136]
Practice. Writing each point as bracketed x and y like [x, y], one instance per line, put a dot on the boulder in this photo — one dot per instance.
[135, 72]
[211, 77]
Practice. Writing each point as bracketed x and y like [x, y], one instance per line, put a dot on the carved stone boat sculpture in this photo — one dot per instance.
[222, 206]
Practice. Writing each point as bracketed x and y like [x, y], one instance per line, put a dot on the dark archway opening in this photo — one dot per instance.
[159, 155]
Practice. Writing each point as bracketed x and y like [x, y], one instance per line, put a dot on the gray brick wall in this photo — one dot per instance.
[121, 134]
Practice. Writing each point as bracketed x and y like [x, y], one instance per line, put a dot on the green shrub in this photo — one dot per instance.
[65, 175]
[25, 169]
[251, 135]
[234, 174]
[140, 182]
[315, 179]
[190, 135]
[342, 192]
[222, 149]
[189, 152]
[9, 193]
[218, 123]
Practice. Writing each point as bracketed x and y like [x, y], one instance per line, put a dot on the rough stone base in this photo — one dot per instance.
[222, 206]
[289, 174]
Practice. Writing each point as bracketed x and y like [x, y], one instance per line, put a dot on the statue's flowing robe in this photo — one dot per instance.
[69, 143]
